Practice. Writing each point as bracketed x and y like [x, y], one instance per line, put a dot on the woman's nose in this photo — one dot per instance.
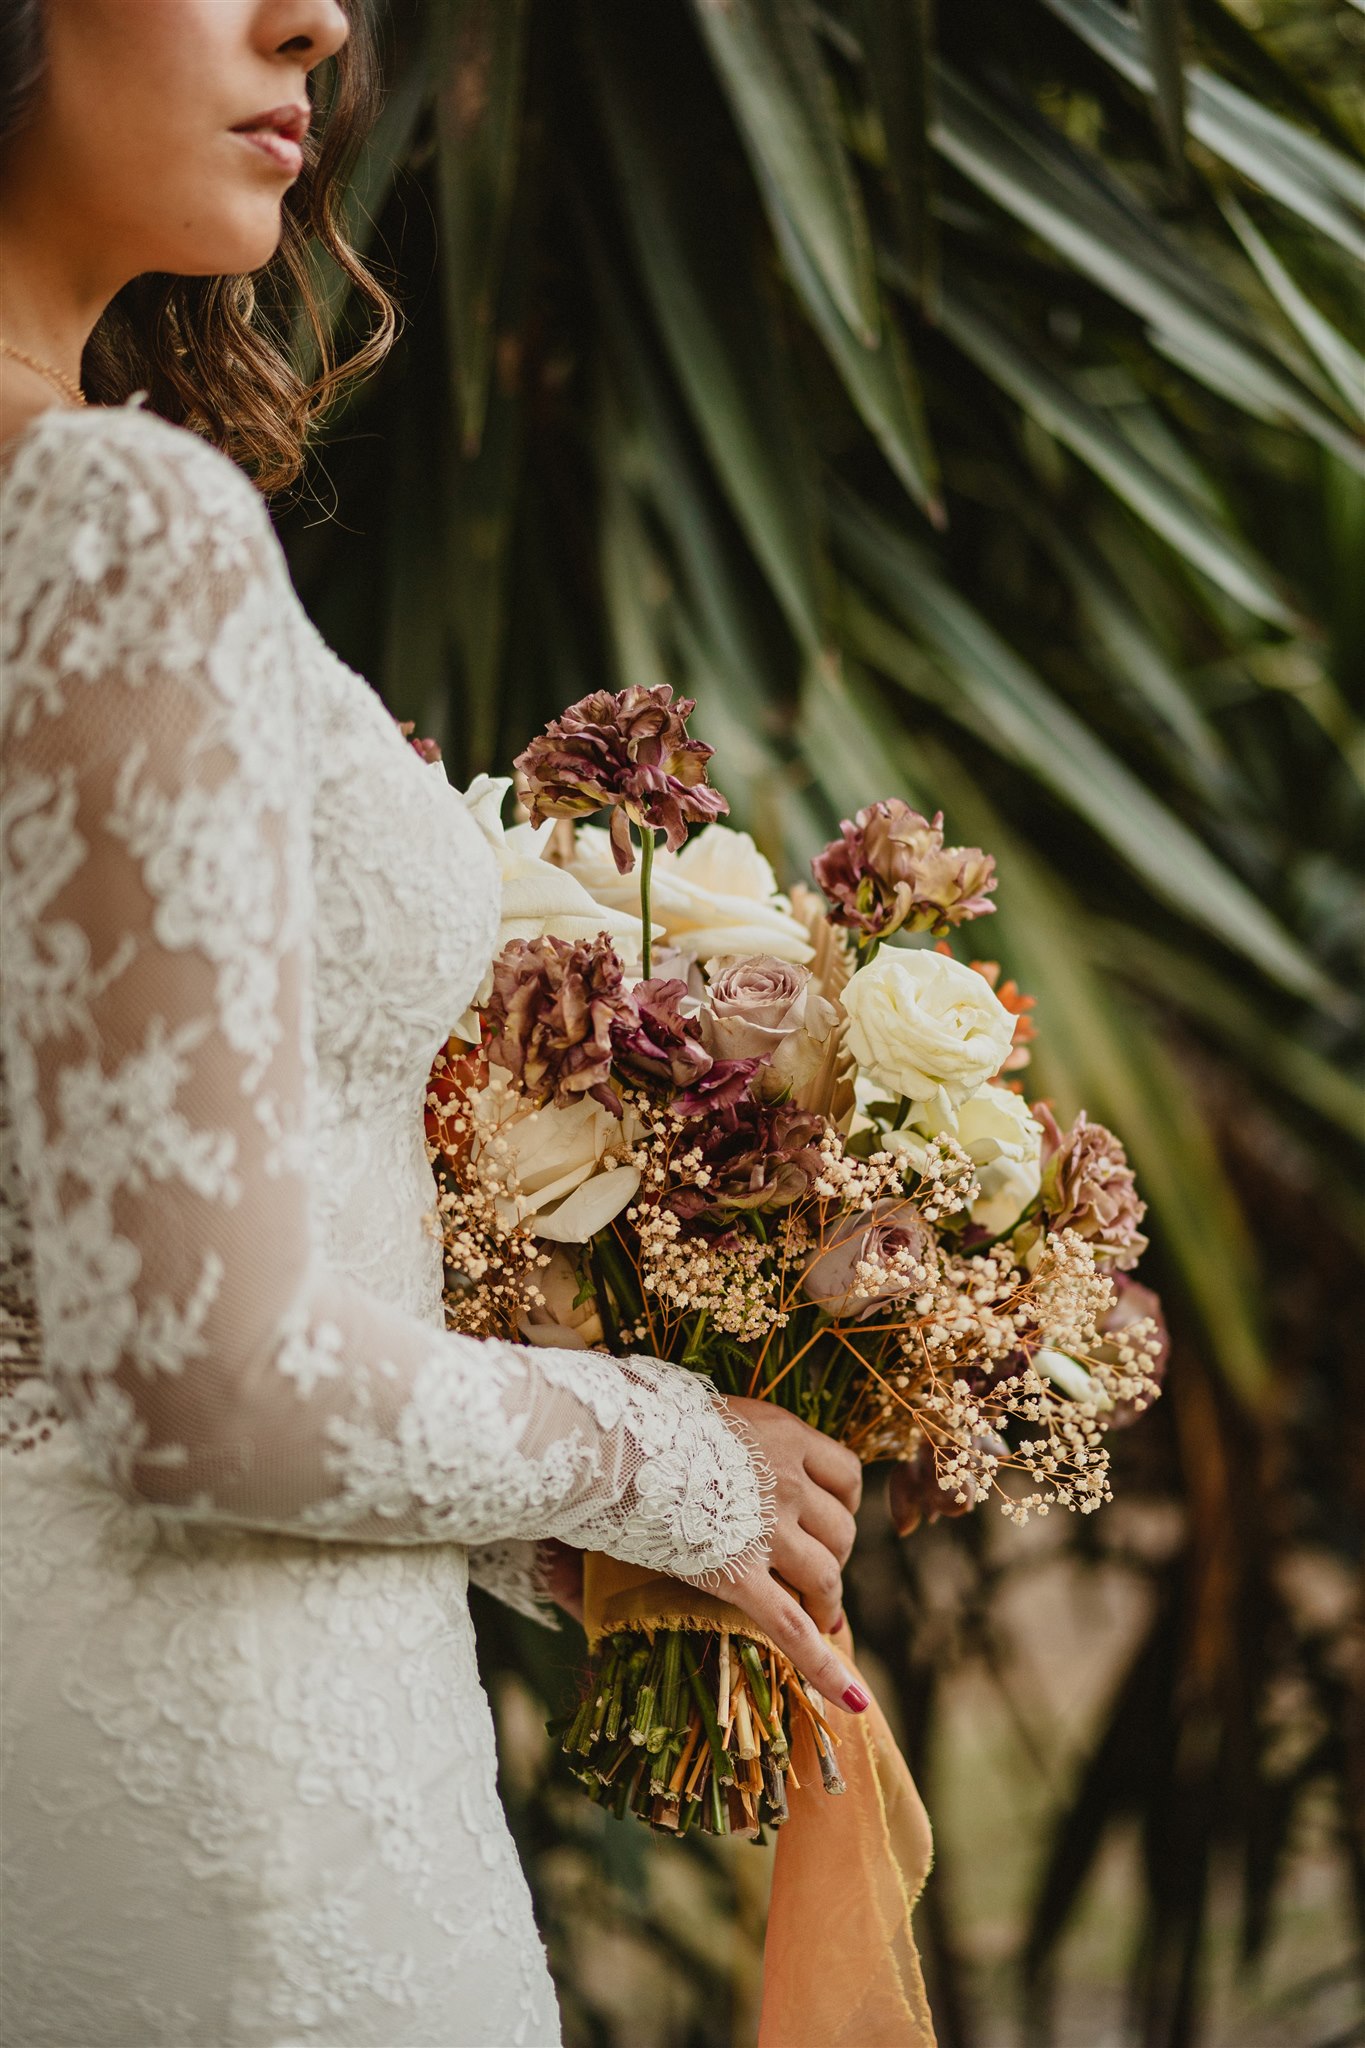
[309, 30]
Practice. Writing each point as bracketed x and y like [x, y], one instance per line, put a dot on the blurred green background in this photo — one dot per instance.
[964, 404]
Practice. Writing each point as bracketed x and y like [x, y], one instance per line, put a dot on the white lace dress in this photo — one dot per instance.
[249, 1788]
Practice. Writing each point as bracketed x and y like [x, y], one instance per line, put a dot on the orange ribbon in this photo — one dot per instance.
[840, 1965]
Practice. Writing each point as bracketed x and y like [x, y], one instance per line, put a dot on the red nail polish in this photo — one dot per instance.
[837, 1626]
[856, 1700]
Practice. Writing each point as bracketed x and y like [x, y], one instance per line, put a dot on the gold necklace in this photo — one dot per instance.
[58, 379]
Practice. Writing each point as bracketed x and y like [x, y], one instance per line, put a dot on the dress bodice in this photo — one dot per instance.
[406, 891]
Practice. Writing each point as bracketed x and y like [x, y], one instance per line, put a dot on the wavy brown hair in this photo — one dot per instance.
[249, 362]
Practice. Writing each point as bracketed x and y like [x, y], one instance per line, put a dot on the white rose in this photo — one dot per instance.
[537, 897]
[920, 1021]
[999, 1135]
[1005, 1142]
[565, 1165]
[719, 895]
[558, 1317]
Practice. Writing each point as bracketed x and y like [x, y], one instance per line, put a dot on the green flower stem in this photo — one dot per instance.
[721, 1761]
[671, 1677]
[646, 870]
[752, 1660]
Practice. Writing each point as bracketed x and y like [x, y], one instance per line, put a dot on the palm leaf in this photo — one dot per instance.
[1315, 181]
[769, 61]
[477, 64]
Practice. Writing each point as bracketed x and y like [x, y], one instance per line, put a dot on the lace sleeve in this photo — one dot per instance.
[155, 869]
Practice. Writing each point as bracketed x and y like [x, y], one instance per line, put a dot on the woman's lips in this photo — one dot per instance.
[278, 135]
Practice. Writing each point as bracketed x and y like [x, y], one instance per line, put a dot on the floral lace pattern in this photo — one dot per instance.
[252, 1774]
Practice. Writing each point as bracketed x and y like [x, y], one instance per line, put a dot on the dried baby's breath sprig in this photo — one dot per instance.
[490, 1261]
[990, 1346]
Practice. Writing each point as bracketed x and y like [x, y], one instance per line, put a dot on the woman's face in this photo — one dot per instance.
[165, 133]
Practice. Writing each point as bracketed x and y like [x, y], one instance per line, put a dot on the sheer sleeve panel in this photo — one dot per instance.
[155, 827]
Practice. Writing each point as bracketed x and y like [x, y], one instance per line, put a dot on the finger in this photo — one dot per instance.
[835, 1467]
[793, 1632]
[829, 1522]
[561, 1574]
[903, 1499]
[811, 1570]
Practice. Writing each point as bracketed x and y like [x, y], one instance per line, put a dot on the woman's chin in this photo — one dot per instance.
[246, 243]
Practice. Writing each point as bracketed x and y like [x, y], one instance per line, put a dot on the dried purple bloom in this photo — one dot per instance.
[551, 1014]
[661, 1040]
[716, 1092]
[757, 1156]
[1088, 1187]
[889, 871]
[662, 1043]
[629, 751]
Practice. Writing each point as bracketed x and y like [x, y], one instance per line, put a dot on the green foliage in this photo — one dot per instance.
[971, 411]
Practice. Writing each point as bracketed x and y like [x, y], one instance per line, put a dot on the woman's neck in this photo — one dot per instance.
[47, 312]
[49, 299]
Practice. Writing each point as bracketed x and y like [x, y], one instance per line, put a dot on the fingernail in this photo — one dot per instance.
[837, 1626]
[856, 1700]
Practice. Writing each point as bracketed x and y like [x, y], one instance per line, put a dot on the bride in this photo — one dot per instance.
[249, 1788]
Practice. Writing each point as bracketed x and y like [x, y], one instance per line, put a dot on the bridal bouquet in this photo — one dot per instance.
[782, 1141]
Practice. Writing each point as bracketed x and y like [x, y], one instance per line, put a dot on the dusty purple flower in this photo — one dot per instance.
[661, 1040]
[915, 1495]
[1134, 1303]
[764, 1009]
[757, 1156]
[891, 1237]
[629, 751]
[716, 1092]
[425, 750]
[662, 1043]
[550, 1017]
[889, 871]
[1088, 1187]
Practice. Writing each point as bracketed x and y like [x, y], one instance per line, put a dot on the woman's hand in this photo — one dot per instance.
[561, 1575]
[818, 1487]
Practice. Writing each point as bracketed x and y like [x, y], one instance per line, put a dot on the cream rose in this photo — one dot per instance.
[920, 1021]
[719, 895]
[558, 1317]
[764, 1008]
[999, 1134]
[565, 1170]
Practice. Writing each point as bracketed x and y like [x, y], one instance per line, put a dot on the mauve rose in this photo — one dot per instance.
[1088, 1187]
[550, 1017]
[765, 1009]
[889, 871]
[879, 1234]
[915, 1495]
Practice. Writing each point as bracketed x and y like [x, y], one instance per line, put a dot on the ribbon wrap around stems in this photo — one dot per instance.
[840, 1965]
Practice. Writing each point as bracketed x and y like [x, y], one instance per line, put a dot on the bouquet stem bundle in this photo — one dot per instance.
[689, 1728]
